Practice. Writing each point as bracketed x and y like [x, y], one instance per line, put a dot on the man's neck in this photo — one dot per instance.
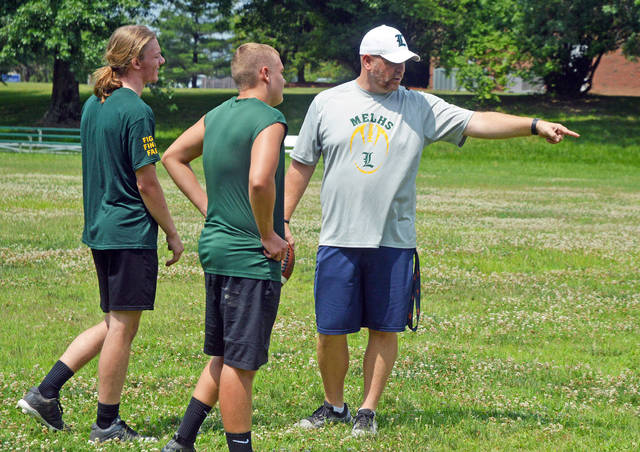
[133, 83]
[365, 83]
[257, 93]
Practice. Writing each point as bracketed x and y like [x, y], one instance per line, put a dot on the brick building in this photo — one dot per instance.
[617, 76]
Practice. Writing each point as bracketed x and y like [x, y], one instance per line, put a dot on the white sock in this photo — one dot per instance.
[338, 410]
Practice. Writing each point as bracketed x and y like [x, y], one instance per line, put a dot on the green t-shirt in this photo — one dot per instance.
[117, 140]
[230, 242]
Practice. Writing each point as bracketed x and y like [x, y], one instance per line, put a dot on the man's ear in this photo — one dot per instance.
[366, 61]
[135, 63]
[265, 74]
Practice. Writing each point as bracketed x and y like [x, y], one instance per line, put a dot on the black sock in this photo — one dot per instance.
[55, 379]
[107, 414]
[239, 442]
[193, 418]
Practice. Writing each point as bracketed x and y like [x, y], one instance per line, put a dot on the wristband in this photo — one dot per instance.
[286, 221]
[534, 131]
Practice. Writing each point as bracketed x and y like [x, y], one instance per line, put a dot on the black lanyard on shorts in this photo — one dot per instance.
[415, 294]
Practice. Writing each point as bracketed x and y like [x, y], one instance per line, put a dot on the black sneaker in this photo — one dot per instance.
[47, 411]
[325, 414]
[175, 445]
[117, 430]
[365, 423]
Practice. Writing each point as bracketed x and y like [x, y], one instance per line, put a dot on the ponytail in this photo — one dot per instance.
[106, 82]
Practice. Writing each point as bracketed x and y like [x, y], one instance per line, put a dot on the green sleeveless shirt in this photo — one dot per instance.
[230, 242]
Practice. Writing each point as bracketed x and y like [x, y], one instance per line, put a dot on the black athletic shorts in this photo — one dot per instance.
[127, 279]
[239, 317]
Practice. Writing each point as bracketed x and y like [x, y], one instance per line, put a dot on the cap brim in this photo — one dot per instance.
[400, 56]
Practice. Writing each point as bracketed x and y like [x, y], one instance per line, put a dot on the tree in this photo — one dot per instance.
[427, 25]
[476, 38]
[287, 25]
[558, 41]
[308, 32]
[9, 62]
[193, 38]
[473, 35]
[631, 47]
[72, 32]
[563, 41]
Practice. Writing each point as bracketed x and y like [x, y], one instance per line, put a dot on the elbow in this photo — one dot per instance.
[260, 185]
[170, 157]
[146, 187]
[143, 188]
[166, 158]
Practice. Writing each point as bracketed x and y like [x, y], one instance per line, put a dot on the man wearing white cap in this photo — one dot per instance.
[370, 133]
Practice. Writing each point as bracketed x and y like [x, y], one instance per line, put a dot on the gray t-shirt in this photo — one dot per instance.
[371, 145]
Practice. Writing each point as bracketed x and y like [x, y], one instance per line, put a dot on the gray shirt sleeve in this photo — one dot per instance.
[444, 121]
[308, 146]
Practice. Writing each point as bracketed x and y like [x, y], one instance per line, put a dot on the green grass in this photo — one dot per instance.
[26, 103]
[530, 332]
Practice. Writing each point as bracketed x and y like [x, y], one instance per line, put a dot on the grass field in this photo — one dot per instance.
[530, 332]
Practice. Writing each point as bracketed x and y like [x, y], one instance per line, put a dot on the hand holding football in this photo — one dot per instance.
[286, 265]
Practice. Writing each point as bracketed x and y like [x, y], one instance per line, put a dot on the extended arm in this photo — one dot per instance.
[186, 148]
[265, 155]
[487, 124]
[153, 198]
[295, 183]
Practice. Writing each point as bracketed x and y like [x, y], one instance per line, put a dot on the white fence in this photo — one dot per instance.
[219, 83]
[444, 82]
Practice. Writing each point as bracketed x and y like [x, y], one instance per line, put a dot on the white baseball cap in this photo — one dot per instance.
[388, 43]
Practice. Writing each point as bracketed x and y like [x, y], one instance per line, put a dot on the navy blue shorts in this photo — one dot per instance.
[362, 287]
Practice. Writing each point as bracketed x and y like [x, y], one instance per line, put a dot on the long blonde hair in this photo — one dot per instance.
[125, 44]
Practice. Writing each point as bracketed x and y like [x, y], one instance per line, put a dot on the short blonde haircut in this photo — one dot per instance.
[248, 60]
[126, 43]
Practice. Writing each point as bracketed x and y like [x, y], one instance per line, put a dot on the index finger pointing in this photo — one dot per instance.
[571, 133]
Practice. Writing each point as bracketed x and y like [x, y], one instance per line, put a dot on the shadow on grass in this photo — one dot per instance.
[168, 425]
[549, 107]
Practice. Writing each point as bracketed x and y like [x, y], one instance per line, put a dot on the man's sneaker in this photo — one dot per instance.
[365, 423]
[47, 411]
[117, 430]
[325, 414]
[174, 445]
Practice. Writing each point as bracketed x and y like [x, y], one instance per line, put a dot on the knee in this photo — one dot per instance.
[127, 330]
[246, 376]
[329, 341]
[383, 336]
[127, 333]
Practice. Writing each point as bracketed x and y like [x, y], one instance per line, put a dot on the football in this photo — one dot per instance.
[286, 265]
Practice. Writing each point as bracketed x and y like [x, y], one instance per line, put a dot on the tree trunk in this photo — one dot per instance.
[65, 97]
[592, 71]
[573, 79]
[194, 60]
[417, 74]
[301, 78]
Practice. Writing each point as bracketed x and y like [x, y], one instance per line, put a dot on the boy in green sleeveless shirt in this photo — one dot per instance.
[241, 245]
